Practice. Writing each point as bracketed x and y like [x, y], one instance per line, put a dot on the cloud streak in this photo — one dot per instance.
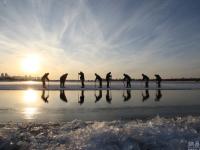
[99, 36]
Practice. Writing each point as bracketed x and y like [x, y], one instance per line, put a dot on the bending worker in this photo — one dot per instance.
[82, 78]
[99, 79]
[108, 79]
[127, 78]
[62, 80]
[146, 79]
[158, 79]
[44, 78]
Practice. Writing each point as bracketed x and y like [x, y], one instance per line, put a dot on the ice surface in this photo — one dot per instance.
[116, 85]
[156, 133]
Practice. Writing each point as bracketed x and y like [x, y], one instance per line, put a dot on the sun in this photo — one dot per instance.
[30, 64]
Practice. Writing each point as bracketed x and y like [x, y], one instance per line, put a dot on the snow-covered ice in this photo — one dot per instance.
[155, 133]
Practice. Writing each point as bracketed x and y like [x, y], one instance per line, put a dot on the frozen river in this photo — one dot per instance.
[117, 118]
[101, 105]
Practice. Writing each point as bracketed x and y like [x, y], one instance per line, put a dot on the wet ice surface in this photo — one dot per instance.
[27, 105]
[156, 133]
[115, 85]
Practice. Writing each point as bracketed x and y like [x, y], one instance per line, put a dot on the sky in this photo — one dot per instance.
[121, 36]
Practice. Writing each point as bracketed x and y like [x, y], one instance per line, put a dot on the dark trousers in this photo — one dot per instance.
[146, 84]
[82, 83]
[159, 85]
[100, 84]
[43, 84]
[62, 84]
[108, 83]
[128, 84]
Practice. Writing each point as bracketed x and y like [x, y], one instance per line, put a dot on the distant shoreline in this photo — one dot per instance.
[176, 79]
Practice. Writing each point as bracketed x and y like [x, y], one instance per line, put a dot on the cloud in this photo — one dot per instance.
[99, 36]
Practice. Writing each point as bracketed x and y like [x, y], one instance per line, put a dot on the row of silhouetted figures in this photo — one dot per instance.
[81, 76]
[126, 96]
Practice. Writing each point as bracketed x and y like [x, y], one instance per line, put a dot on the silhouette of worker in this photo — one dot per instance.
[108, 97]
[158, 79]
[108, 79]
[44, 98]
[99, 79]
[62, 80]
[146, 79]
[63, 96]
[44, 78]
[127, 78]
[82, 97]
[98, 97]
[158, 95]
[146, 96]
[127, 96]
[82, 78]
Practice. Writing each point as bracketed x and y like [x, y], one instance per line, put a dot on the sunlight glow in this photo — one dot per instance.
[30, 64]
[30, 96]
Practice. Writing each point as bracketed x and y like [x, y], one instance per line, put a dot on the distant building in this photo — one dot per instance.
[2, 75]
[6, 75]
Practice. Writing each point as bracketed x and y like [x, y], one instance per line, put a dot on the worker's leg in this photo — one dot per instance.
[100, 82]
[129, 83]
[60, 84]
[43, 84]
[82, 82]
[146, 84]
[159, 84]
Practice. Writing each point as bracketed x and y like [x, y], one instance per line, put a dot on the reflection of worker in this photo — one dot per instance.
[44, 98]
[146, 79]
[108, 96]
[127, 78]
[82, 78]
[158, 95]
[63, 79]
[108, 79]
[44, 78]
[62, 96]
[98, 97]
[82, 97]
[158, 79]
[127, 96]
[146, 96]
[99, 79]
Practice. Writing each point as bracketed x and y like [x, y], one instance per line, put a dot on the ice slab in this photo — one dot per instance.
[156, 133]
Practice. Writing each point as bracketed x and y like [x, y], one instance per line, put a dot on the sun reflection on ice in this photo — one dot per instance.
[30, 112]
[30, 98]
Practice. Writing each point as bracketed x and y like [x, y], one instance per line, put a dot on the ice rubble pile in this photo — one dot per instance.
[156, 133]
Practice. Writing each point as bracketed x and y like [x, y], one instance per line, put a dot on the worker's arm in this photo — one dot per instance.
[47, 79]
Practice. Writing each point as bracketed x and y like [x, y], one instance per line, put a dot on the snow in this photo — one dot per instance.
[155, 133]
[137, 85]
